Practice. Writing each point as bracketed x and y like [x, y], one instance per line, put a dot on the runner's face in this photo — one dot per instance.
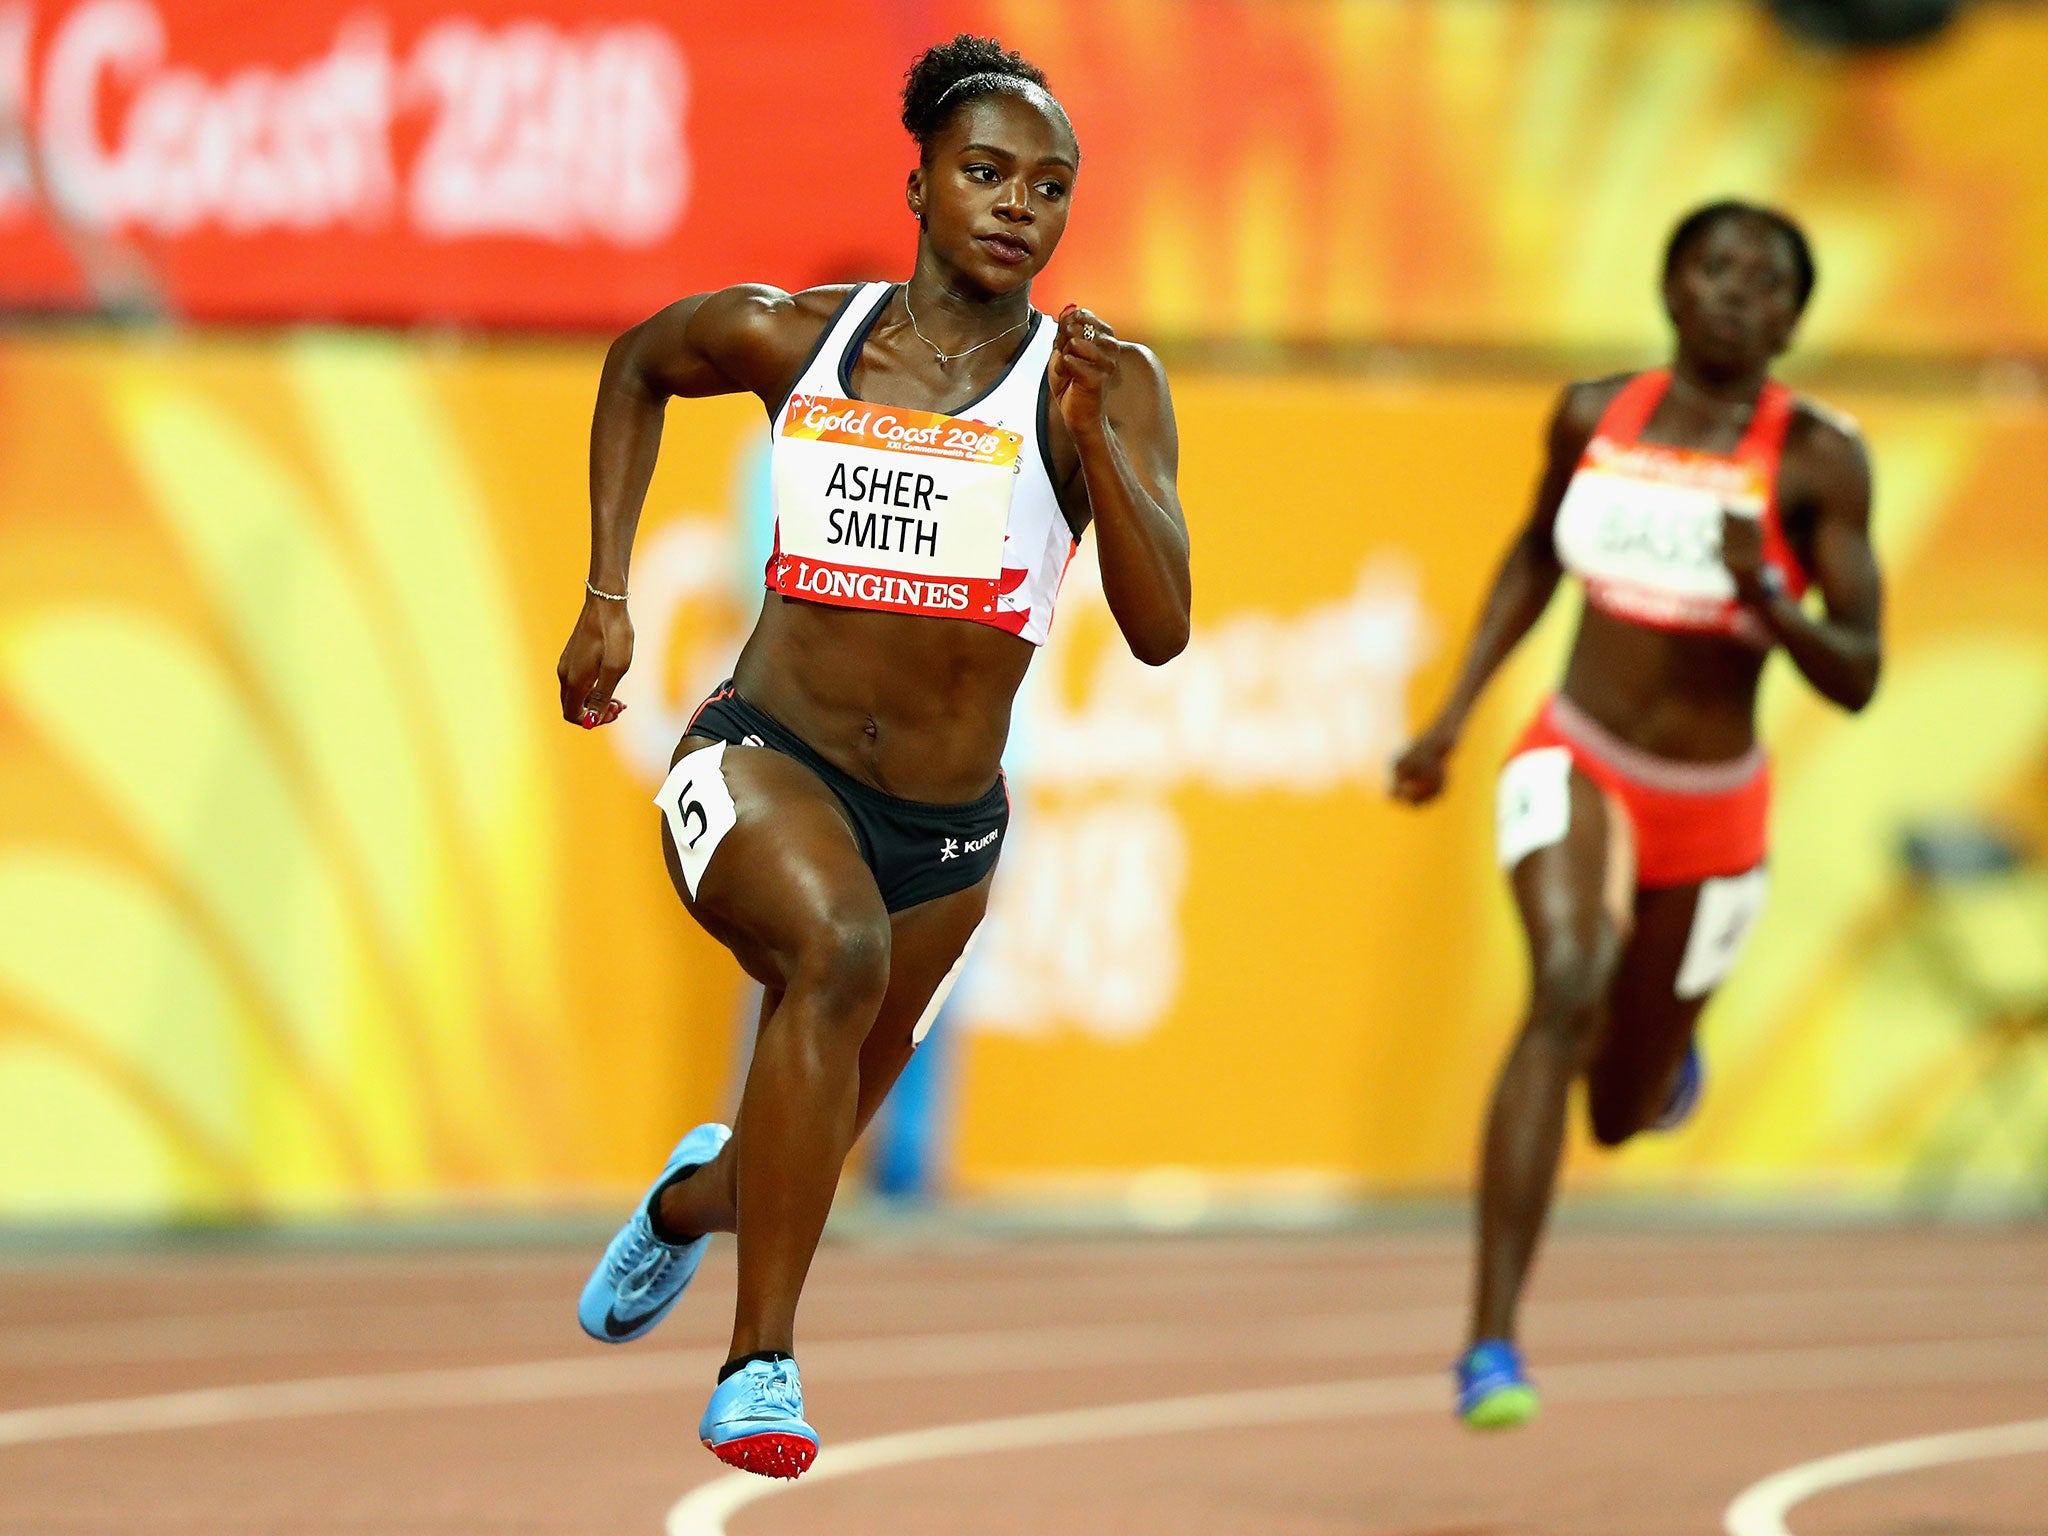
[996, 188]
[1734, 295]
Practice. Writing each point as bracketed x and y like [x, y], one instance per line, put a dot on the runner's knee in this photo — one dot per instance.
[1569, 985]
[844, 964]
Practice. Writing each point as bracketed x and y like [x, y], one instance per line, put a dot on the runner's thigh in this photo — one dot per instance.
[779, 871]
[926, 945]
[1562, 890]
[1649, 1024]
[926, 949]
[1687, 939]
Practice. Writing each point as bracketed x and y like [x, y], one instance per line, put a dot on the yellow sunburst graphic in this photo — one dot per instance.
[305, 955]
[1505, 172]
[310, 902]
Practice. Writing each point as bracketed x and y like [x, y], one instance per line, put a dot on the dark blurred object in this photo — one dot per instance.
[1978, 915]
[1960, 850]
[1865, 23]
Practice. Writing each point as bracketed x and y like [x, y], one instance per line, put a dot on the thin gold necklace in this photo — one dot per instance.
[949, 357]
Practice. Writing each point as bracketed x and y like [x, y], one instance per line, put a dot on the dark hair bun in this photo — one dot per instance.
[945, 78]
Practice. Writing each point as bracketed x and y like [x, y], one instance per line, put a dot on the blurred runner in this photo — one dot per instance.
[835, 812]
[1696, 503]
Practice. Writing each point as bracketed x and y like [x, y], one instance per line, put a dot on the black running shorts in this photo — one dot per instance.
[917, 851]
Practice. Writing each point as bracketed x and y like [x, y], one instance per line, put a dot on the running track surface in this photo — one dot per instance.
[1286, 1386]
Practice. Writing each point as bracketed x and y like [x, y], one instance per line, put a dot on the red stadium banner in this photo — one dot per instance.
[504, 162]
[1325, 170]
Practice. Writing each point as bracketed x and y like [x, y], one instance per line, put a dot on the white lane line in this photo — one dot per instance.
[1358, 1335]
[1761, 1509]
[925, 1356]
[272, 1332]
[327, 1328]
[459, 1387]
[705, 1509]
[230, 1332]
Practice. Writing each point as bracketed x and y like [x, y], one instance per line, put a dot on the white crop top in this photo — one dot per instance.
[951, 515]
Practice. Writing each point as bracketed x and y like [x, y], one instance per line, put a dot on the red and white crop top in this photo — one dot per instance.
[1640, 523]
[951, 515]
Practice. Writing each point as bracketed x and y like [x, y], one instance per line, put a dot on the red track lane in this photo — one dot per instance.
[445, 1392]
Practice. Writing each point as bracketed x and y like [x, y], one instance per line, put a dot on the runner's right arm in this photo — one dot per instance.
[729, 342]
[1521, 590]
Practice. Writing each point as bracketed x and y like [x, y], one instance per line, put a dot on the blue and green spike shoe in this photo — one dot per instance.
[1493, 1391]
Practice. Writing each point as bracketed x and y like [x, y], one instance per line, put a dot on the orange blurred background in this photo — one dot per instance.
[310, 903]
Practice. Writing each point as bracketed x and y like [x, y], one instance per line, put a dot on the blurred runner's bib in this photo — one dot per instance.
[1640, 523]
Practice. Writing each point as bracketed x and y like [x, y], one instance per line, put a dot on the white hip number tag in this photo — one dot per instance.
[1533, 803]
[1722, 922]
[698, 809]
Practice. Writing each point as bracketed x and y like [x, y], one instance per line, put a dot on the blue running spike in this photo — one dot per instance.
[755, 1421]
[640, 1277]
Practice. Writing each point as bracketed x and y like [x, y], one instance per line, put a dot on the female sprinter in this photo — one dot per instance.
[1695, 503]
[835, 812]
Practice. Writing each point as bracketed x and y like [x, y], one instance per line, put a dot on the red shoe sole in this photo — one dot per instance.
[786, 1456]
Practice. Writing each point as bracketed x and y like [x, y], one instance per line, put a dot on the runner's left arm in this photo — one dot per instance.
[1842, 652]
[1113, 397]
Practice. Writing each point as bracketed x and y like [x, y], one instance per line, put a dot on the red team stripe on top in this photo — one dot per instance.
[894, 429]
[1683, 466]
[853, 586]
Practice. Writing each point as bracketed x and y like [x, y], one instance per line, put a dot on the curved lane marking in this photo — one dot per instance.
[705, 1509]
[1760, 1510]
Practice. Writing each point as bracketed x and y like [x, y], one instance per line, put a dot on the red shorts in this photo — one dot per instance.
[1692, 821]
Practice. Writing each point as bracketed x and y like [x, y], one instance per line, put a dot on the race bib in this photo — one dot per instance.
[1641, 526]
[877, 506]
